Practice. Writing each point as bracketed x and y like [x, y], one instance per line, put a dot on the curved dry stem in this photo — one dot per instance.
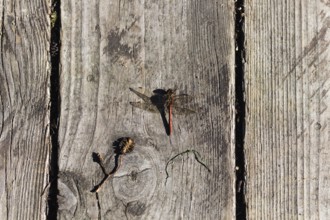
[196, 154]
[98, 187]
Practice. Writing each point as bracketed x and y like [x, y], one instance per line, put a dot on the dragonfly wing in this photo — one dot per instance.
[182, 99]
[145, 106]
[182, 111]
[141, 95]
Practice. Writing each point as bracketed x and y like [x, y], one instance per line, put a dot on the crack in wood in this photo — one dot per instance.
[240, 111]
[98, 206]
[133, 174]
[55, 105]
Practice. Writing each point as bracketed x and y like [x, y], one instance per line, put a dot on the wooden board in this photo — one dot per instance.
[24, 114]
[288, 119]
[109, 46]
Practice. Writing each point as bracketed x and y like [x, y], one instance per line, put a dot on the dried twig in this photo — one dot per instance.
[125, 145]
[98, 159]
[107, 176]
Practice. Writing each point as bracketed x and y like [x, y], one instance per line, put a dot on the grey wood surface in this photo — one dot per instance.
[109, 46]
[287, 96]
[24, 115]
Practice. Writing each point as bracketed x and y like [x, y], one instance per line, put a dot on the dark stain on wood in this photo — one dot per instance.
[136, 208]
[117, 49]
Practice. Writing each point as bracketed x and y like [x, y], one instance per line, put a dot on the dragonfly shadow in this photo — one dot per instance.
[159, 100]
[161, 92]
[155, 103]
[165, 121]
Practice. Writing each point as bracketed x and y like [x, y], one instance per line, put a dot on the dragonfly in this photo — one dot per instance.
[164, 101]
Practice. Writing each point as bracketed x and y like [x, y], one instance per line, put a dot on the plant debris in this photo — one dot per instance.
[197, 156]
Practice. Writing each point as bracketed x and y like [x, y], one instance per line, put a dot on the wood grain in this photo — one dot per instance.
[109, 46]
[288, 119]
[24, 114]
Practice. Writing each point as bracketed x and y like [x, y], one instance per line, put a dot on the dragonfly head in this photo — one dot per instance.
[170, 92]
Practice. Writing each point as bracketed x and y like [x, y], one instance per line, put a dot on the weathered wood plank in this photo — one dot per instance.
[109, 46]
[287, 98]
[24, 99]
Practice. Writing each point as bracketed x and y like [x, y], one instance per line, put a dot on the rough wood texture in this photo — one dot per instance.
[288, 119]
[109, 46]
[24, 99]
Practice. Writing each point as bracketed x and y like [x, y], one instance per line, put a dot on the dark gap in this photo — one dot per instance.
[55, 103]
[240, 111]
